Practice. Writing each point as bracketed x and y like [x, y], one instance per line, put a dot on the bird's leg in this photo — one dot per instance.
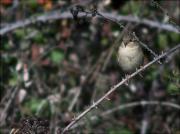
[127, 76]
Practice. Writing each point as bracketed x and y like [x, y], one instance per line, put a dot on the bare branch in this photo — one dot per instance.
[95, 104]
[128, 105]
[74, 100]
[67, 15]
[146, 47]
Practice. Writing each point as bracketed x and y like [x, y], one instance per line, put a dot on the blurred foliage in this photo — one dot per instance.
[173, 87]
[62, 55]
[56, 56]
[36, 106]
[119, 131]
[162, 41]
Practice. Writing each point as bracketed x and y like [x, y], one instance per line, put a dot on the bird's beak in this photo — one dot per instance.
[125, 44]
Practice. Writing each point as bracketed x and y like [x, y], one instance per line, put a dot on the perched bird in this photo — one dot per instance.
[130, 55]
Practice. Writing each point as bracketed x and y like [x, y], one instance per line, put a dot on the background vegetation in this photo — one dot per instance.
[52, 70]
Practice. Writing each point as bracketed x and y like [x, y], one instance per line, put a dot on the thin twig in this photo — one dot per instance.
[144, 125]
[165, 12]
[118, 85]
[56, 15]
[4, 113]
[114, 46]
[74, 100]
[129, 105]
[146, 47]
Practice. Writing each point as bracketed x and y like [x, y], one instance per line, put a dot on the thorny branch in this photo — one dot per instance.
[67, 15]
[145, 46]
[117, 18]
[165, 12]
[129, 105]
[95, 104]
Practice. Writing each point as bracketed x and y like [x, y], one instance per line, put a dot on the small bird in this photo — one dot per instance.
[130, 55]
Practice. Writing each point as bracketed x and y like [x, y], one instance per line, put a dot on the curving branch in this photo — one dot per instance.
[103, 15]
[95, 104]
[129, 105]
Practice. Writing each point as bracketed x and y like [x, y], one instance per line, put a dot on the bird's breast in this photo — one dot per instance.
[130, 57]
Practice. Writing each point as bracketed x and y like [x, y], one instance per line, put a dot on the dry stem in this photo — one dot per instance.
[95, 104]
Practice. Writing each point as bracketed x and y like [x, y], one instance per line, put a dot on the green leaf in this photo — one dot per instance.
[152, 75]
[173, 89]
[174, 37]
[39, 38]
[36, 106]
[33, 104]
[32, 3]
[20, 33]
[56, 56]
[125, 9]
[43, 109]
[162, 41]
[104, 41]
[6, 46]
[133, 6]
[13, 80]
[119, 131]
